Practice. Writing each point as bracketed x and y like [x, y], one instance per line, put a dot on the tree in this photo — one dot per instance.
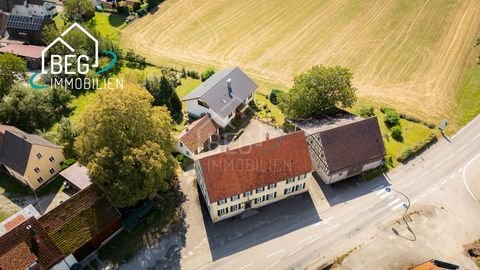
[12, 68]
[207, 73]
[366, 111]
[78, 10]
[391, 117]
[126, 144]
[66, 135]
[397, 133]
[31, 109]
[319, 90]
[164, 94]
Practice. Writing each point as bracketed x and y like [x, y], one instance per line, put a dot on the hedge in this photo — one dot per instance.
[417, 148]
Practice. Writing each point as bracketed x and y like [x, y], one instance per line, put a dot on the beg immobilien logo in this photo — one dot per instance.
[72, 64]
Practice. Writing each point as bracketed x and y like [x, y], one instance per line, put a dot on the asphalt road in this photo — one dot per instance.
[443, 175]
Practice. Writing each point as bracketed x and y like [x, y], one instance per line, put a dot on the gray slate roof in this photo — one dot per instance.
[16, 147]
[214, 91]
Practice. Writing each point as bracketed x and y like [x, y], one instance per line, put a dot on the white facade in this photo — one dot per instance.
[196, 110]
[184, 150]
[338, 176]
[235, 205]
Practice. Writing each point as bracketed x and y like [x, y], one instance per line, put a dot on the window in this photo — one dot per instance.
[300, 187]
[40, 180]
[272, 186]
[234, 198]
[39, 156]
[260, 190]
[288, 190]
[290, 180]
[36, 169]
[222, 202]
[260, 199]
[181, 144]
[52, 171]
[222, 211]
[235, 207]
[203, 104]
[248, 193]
[51, 159]
[272, 196]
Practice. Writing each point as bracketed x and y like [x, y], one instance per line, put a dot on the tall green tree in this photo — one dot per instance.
[78, 10]
[66, 135]
[12, 68]
[126, 144]
[164, 94]
[318, 91]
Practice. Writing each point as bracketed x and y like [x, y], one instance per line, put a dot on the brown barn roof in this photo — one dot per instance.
[352, 144]
[26, 244]
[79, 219]
[29, 51]
[198, 132]
[257, 165]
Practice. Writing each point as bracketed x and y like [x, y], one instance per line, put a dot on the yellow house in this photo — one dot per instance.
[255, 175]
[29, 158]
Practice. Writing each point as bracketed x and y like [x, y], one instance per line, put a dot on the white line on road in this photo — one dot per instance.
[293, 252]
[423, 174]
[397, 206]
[465, 179]
[424, 195]
[452, 175]
[451, 156]
[394, 202]
[384, 195]
[246, 266]
[333, 227]
[436, 166]
[272, 265]
[443, 182]
[275, 253]
[348, 219]
[378, 188]
[314, 239]
[476, 137]
[461, 148]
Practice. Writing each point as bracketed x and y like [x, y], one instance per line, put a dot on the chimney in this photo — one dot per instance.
[267, 136]
[229, 87]
[227, 148]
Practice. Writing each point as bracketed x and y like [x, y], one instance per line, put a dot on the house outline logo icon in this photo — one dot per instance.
[60, 39]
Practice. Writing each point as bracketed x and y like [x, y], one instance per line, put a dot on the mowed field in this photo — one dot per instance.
[409, 54]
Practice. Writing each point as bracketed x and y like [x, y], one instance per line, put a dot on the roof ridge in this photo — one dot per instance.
[232, 69]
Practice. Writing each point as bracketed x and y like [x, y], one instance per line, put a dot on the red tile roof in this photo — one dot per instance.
[29, 51]
[257, 165]
[12, 261]
[198, 132]
[19, 246]
[14, 222]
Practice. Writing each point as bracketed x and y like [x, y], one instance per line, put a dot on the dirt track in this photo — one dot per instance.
[410, 54]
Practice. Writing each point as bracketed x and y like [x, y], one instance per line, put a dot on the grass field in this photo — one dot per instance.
[409, 54]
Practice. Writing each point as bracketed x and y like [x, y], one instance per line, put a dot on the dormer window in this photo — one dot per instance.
[39, 156]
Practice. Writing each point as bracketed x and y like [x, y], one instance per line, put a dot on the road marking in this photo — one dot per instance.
[476, 137]
[347, 220]
[275, 253]
[246, 266]
[461, 148]
[451, 156]
[423, 174]
[436, 166]
[333, 228]
[394, 202]
[272, 265]
[314, 239]
[443, 182]
[384, 195]
[465, 179]
[424, 195]
[293, 252]
[452, 175]
[378, 188]
[397, 206]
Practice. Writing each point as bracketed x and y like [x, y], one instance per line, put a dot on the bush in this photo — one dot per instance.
[397, 133]
[417, 148]
[193, 74]
[123, 10]
[142, 12]
[366, 111]
[207, 74]
[274, 96]
[391, 117]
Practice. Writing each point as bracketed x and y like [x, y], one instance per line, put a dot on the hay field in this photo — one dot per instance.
[410, 54]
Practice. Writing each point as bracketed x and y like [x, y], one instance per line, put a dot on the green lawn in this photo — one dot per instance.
[188, 85]
[468, 98]
[109, 25]
[268, 111]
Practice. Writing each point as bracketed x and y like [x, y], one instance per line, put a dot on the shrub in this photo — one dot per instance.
[274, 95]
[193, 74]
[142, 12]
[397, 133]
[207, 74]
[391, 117]
[366, 111]
[417, 148]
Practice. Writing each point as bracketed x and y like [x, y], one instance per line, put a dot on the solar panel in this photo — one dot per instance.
[25, 23]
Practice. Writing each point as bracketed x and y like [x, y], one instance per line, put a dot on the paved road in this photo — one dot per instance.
[440, 176]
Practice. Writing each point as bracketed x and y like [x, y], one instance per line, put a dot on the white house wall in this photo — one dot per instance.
[197, 111]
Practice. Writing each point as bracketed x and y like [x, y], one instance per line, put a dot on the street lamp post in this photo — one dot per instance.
[406, 206]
